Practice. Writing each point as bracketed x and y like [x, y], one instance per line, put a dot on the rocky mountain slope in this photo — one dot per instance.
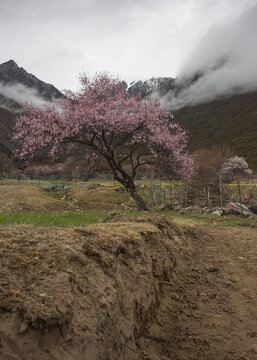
[17, 86]
[152, 87]
[227, 122]
[12, 74]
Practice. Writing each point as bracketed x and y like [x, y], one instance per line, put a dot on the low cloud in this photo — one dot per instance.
[15, 95]
[224, 64]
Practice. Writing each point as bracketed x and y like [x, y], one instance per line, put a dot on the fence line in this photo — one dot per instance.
[164, 191]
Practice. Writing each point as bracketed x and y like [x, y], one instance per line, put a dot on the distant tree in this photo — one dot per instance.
[77, 164]
[111, 125]
[6, 165]
[71, 166]
[209, 163]
[235, 167]
[32, 171]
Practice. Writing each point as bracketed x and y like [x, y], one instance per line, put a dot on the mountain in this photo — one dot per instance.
[152, 87]
[6, 122]
[12, 74]
[17, 86]
[229, 122]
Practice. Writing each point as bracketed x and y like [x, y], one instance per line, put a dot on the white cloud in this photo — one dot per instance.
[134, 38]
[20, 94]
[224, 62]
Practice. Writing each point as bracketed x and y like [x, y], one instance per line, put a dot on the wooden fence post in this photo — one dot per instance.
[240, 199]
[186, 195]
[221, 202]
[171, 192]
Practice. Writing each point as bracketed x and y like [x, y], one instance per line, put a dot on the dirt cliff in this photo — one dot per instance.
[130, 289]
[99, 292]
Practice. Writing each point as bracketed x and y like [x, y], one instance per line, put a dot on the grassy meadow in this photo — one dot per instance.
[91, 202]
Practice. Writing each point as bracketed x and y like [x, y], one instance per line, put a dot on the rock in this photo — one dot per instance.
[168, 207]
[207, 210]
[238, 209]
[189, 208]
[253, 208]
[177, 208]
[242, 206]
[231, 211]
[197, 210]
[218, 212]
[56, 188]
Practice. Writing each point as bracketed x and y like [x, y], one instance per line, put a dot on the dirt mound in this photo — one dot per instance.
[99, 292]
[133, 289]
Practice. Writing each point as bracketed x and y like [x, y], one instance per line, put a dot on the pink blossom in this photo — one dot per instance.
[111, 124]
[235, 166]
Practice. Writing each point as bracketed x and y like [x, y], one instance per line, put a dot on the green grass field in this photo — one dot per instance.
[51, 218]
[87, 204]
[80, 218]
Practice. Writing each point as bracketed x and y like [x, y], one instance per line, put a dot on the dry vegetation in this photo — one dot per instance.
[83, 204]
[82, 291]
[30, 198]
[124, 286]
[84, 197]
[133, 288]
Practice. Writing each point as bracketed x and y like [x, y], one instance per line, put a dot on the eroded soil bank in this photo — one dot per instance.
[128, 290]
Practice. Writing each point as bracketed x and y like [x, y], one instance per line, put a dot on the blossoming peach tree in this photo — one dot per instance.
[234, 167]
[107, 122]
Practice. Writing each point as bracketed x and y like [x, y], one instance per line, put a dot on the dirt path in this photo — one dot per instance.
[217, 304]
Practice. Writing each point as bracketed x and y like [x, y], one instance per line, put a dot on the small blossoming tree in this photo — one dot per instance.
[235, 166]
[103, 119]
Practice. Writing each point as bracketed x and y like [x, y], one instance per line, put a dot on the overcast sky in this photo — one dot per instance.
[136, 39]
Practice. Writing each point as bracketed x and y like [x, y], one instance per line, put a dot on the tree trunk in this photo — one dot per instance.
[139, 201]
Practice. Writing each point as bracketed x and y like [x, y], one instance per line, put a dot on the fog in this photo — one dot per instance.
[223, 64]
[136, 39]
[19, 94]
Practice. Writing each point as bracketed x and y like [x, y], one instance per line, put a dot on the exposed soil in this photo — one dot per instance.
[128, 290]
[217, 305]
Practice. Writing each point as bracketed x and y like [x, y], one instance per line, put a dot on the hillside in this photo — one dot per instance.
[16, 86]
[230, 123]
[6, 121]
[12, 74]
